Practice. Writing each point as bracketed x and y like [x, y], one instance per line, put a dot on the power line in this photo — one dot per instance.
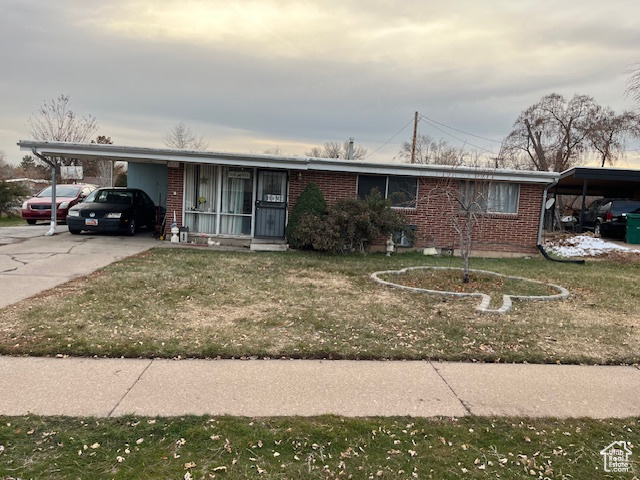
[398, 133]
[460, 131]
[459, 139]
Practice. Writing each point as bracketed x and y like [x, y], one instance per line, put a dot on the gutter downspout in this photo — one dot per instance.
[540, 226]
[54, 209]
[542, 210]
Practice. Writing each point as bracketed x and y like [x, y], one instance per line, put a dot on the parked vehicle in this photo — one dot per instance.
[608, 216]
[38, 207]
[113, 210]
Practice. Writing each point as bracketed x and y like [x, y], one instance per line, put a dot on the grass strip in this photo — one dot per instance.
[310, 448]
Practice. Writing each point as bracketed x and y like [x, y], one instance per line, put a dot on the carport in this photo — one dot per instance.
[604, 182]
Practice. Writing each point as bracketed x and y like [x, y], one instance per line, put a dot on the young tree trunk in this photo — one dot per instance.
[465, 244]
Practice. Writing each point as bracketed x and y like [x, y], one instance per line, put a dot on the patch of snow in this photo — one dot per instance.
[585, 246]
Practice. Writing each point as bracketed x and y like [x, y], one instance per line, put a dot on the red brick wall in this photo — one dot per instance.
[175, 184]
[514, 233]
[334, 185]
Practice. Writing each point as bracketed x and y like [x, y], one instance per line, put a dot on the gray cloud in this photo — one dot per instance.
[249, 75]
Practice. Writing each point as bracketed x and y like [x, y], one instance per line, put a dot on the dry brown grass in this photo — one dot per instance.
[195, 303]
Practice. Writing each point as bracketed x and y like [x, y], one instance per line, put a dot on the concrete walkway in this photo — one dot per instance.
[114, 387]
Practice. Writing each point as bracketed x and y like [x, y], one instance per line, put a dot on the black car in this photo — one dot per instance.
[608, 216]
[113, 210]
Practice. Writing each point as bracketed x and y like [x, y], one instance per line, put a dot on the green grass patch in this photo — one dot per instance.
[204, 303]
[11, 221]
[310, 448]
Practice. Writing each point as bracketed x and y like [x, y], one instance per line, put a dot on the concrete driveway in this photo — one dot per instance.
[31, 262]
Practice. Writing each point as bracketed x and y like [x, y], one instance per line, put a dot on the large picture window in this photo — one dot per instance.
[490, 197]
[401, 191]
[200, 198]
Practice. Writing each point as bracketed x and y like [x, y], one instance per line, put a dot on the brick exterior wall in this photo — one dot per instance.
[509, 233]
[175, 195]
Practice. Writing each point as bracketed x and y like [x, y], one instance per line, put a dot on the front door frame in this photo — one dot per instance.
[276, 204]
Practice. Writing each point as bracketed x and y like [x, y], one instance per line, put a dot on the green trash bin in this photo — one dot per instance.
[633, 228]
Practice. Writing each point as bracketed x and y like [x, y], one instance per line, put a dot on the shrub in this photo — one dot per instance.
[11, 195]
[351, 225]
[310, 203]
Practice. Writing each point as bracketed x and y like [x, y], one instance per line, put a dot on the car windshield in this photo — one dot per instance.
[61, 191]
[121, 197]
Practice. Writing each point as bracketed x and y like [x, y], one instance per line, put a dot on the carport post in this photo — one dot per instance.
[584, 194]
[54, 210]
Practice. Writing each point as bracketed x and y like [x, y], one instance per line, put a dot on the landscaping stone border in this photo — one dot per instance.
[485, 300]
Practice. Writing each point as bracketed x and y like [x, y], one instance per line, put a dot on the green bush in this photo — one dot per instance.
[11, 195]
[351, 225]
[310, 203]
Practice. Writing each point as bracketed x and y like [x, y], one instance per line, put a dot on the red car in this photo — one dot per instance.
[39, 206]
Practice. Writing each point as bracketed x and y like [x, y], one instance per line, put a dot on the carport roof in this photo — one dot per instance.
[606, 182]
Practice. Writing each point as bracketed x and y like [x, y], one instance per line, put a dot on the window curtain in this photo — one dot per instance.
[200, 198]
[237, 197]
[232, 201]
[503, 198]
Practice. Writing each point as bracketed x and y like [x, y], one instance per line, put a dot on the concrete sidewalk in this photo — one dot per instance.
[114, 387]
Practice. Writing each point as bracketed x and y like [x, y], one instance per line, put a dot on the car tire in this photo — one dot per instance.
[73, 231]
[131, 229]
[597, 229]
[31, 222]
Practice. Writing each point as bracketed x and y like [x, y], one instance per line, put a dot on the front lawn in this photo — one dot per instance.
[205, 303]
[311, 448]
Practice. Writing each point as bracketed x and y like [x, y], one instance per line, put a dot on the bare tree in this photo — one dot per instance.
[182, 138]
[55, 121]
[431, 151]
[335, 149]
[6, 170]
[467, 202]
[608, 133]
[551, 134]
[101, 168]
[275, 150]
[633, 83]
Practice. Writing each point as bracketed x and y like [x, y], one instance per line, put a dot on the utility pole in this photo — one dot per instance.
[415, 134]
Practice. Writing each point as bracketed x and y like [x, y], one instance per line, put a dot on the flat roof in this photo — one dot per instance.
[606, 182]
[93, 151]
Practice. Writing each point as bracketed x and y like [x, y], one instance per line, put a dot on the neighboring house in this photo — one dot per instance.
[249, 196]
[33, 185]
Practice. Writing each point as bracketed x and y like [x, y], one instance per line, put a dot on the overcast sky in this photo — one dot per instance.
[252, 75]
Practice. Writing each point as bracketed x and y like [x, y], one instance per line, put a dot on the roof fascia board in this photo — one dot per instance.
[153, 155]
[435, 171]
[601, 173]
[132, 154]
